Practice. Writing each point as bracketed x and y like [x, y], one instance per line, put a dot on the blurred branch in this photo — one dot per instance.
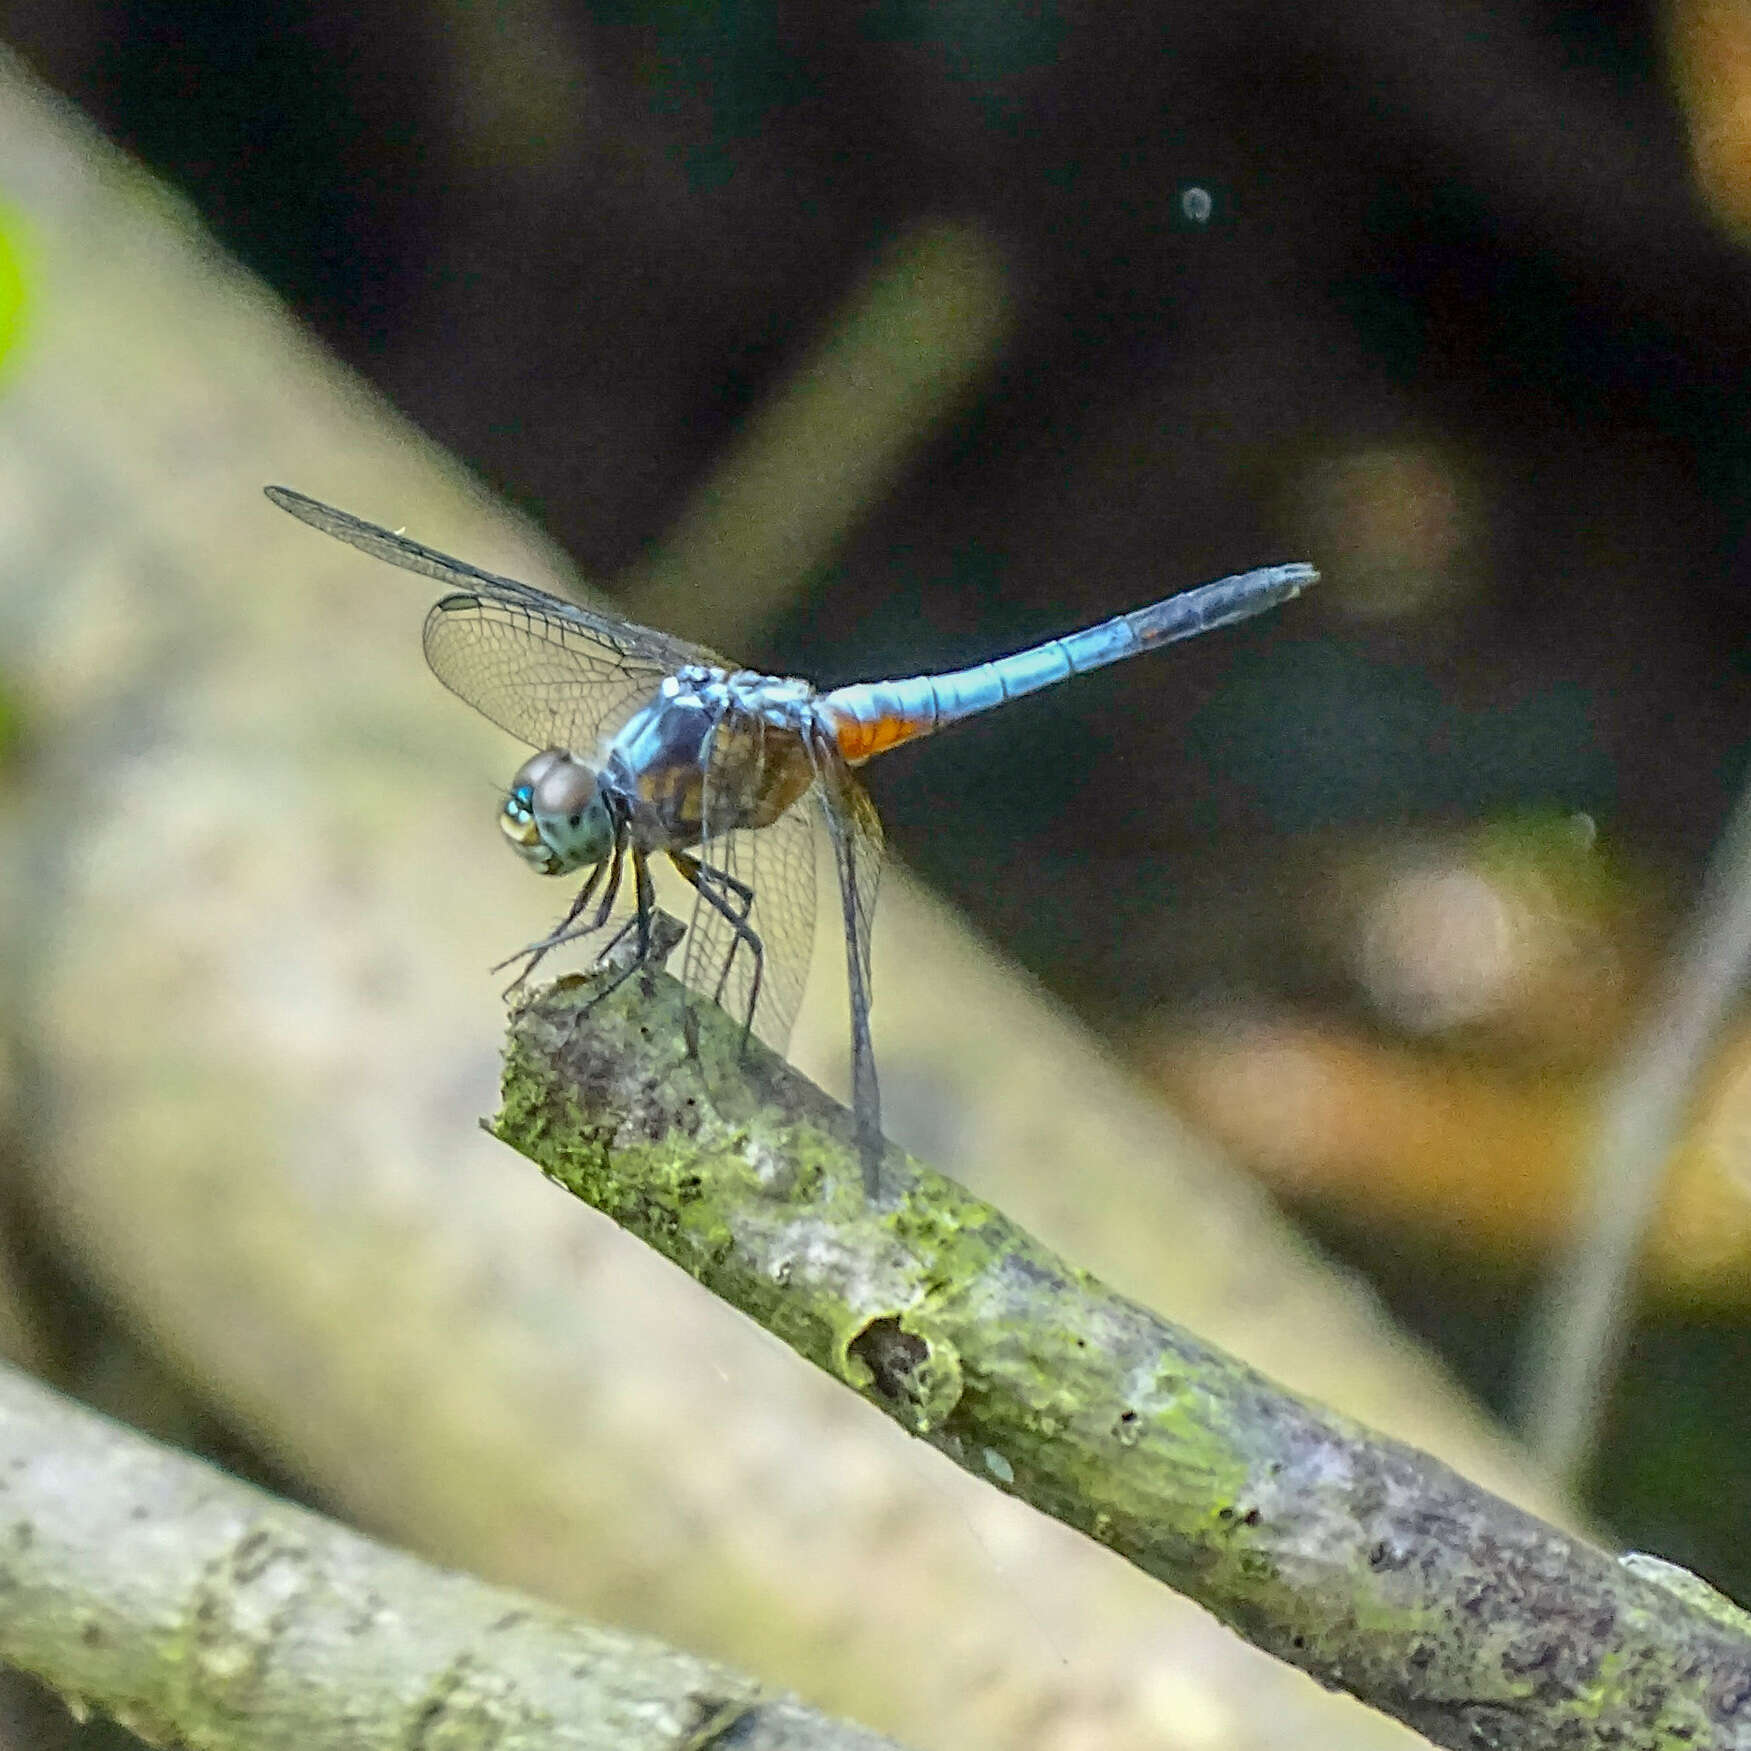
[1363, 1562]
[199, 1612]
[831, 440]
[1579, 1337]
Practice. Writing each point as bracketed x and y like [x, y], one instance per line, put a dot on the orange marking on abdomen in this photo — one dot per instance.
[861, 739]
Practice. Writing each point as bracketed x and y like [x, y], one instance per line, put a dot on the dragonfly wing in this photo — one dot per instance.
[855, 831]
[552, 672]
[537, 673]
[860, 850]
[766, 873]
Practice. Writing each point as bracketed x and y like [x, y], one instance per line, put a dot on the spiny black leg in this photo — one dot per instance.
[698, 872]
[683, 859]
[738, 919]
[613, 942]
[703, 878]
[738, 922]
[645, 893]
[561, 931]
[741, 890]
[612, 892]
[567, 930]
[643, 917]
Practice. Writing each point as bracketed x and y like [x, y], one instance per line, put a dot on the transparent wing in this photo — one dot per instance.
[856, 835]
[768, 873]
[865, 851]
[855, 830]
[552, 672]
[533, 671]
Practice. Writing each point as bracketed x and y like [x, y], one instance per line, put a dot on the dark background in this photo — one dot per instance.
[1460, 326]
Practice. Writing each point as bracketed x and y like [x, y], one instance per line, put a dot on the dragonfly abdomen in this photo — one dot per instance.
[873, 716]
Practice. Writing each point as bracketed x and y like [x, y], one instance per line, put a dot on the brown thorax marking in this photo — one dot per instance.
[758, 771]
[759, 767]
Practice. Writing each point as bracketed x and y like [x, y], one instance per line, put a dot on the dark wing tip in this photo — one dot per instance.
[393, 547]
[288, 500]
[325, 518]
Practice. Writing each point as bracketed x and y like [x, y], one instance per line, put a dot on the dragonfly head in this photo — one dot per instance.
[555, 815]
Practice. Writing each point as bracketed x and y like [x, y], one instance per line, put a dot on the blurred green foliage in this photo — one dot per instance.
[13, 283]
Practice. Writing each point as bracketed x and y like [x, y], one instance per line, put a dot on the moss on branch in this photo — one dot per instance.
[1369, 1565]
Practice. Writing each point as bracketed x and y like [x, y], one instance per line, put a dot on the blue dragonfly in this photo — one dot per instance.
[649, 747]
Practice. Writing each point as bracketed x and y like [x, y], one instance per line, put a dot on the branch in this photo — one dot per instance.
[1367, 1564]
[201, 1613]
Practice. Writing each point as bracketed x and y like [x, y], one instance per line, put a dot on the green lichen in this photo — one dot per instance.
[1364, 1563]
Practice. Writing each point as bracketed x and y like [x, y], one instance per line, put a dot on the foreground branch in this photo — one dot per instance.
[202, 1613]
[1369, 1565]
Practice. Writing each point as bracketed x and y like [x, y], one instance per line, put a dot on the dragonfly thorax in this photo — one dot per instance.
[555, 814]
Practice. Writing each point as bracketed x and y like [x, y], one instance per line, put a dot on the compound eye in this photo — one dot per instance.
[564, 790]
[530, 773]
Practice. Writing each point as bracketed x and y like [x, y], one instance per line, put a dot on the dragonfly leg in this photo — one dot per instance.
[709, 878]
[692, 867]
[568, 929]
[740, 889]
[645, 896]
[708, 882]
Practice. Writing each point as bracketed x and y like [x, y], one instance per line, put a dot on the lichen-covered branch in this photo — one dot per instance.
[1369, 1565]
[202, 1613]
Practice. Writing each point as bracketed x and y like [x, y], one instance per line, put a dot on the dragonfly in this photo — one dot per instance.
[649, 748]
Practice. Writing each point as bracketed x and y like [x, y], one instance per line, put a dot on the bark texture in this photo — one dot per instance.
[1371, 1566]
